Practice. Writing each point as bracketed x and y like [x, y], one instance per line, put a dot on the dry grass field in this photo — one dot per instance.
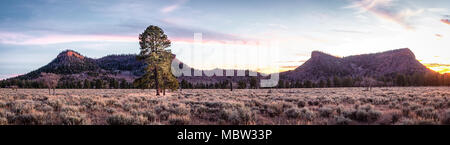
[333, 106]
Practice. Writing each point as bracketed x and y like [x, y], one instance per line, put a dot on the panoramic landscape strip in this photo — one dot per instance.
[193, 62]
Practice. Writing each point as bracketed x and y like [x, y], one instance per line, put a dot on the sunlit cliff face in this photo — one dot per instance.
[440, 68]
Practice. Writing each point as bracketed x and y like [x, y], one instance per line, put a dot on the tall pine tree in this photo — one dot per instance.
[153, 43]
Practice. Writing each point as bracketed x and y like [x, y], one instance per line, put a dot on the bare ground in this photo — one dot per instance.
[326, 106]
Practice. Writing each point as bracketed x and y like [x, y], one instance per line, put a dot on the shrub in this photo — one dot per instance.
[405, 112]
[406, 122]
[313, 103]
[110, 110]
[301, 104]
[414, 107]
[348, 100]
[303, 113]
[273, 109]
[56, 104]
[161, 108]
[238, 116]
[325, 112]
[393, 105]
[306, 114]
[179, 120]
[69, 109]
[151, 116]
[164, 115]
[222, 104]
[123, 119]
[341, 120]
[179, 110]
[127, 106]
[426, 122]
[44, 108]
[72, 119]
[28, 119]
[21, 106]
[363, 114]
[427, 113]
[395, 117]
[3, 121]
[405, 104]
[292, 113]
[339, 109]
[446, 118]
[2, 104]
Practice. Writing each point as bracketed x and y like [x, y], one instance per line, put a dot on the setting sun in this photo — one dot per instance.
[440, 68]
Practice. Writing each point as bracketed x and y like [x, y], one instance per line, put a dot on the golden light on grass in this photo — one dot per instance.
[440, 68]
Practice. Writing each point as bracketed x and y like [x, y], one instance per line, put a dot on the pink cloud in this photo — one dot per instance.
[11, 38]
[384, 9]
[22, 39]
[80, 38]
[446, 21]
[215, 42]
[6, 76]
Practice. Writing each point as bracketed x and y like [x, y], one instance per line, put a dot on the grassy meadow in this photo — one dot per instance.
[321, 106]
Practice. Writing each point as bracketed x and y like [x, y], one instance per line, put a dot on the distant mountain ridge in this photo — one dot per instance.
[389, 63]
[76, 68]
[70, 62]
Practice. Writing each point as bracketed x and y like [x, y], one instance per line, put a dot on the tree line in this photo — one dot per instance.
[400, 80]
[110, 83]
[247, 83]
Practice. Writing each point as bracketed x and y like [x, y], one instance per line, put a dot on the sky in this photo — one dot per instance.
[263, 35]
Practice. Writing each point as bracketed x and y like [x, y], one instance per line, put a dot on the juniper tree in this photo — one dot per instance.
[336, 81]
[123, 84]
[400, 80]
[99, 84]
[322, 84]
[242, 84]
[153, 43]
[308, 84]
[86, 84]
[253, 83]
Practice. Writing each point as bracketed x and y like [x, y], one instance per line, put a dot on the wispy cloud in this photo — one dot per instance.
[24, 39]
[174, 6]
[387, 10]
[116, 25]
[437, 10]
[178, 32]
[280, 26]
[349, 31]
